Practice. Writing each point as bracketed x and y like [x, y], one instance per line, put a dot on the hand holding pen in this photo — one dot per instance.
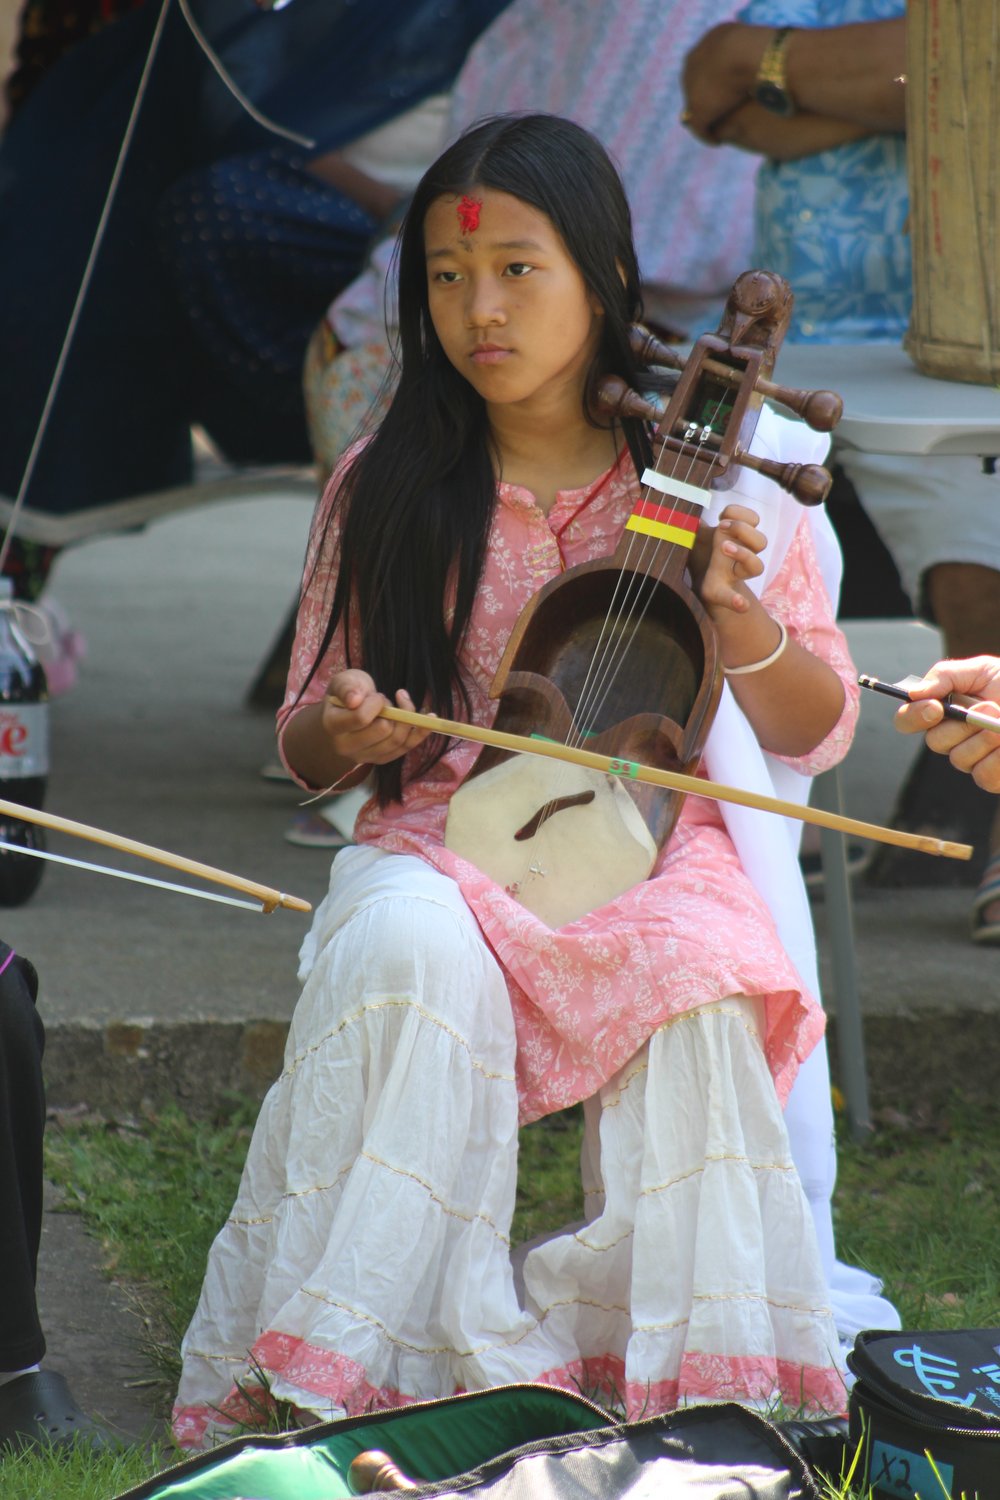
[969, 736]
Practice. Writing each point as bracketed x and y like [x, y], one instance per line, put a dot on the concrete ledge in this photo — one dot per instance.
[285, 481]
[127, 1067]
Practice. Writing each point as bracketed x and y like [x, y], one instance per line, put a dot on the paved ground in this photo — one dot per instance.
[95, 1335]
[147, 993]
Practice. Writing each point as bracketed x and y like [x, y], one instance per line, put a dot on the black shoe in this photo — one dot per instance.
[38, 1411]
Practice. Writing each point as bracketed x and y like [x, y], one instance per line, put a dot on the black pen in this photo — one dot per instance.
[951, 710]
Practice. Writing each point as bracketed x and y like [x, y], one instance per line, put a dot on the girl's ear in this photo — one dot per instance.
[622, 274]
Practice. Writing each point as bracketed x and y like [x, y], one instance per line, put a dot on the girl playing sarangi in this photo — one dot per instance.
[367, 1259]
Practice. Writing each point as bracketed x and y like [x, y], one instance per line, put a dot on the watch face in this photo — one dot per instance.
[773, 97]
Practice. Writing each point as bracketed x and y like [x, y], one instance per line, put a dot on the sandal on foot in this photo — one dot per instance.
[985, 929]
[38, 1411]
[313, 830]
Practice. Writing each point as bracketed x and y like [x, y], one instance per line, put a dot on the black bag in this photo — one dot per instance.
[935, 1393]
[508, 1443]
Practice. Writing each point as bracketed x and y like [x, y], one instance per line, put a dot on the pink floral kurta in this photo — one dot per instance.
[586, 997]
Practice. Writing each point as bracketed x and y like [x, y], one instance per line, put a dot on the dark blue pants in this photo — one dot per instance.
[255, 248]
[211, 329]
[22, 1124]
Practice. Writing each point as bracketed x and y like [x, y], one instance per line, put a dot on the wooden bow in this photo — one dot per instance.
[264, 894]
[692, 785]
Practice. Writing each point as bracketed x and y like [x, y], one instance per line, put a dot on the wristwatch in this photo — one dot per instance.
[770, 88]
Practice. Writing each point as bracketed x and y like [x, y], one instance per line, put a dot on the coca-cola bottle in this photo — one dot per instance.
[24, 753]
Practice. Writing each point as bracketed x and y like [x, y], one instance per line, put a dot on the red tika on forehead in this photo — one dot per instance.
[468, 211]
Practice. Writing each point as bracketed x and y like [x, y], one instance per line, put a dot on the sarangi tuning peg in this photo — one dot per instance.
[809, 483]
[616, 398]
[649, 350]
[820, 410]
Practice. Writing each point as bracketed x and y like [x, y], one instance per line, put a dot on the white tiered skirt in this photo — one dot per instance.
[367, 1259]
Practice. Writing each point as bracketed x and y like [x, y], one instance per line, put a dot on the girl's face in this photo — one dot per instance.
[508, 303]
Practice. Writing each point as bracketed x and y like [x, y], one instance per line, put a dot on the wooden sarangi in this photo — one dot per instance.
[618, 656]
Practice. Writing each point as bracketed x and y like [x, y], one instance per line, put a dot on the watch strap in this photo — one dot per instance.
[771, 85]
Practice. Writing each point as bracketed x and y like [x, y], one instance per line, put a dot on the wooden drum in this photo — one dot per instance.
[953, 139]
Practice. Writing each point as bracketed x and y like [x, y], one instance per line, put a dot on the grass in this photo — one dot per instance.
[74, 1474]
[155, 1192]
[919, 1203]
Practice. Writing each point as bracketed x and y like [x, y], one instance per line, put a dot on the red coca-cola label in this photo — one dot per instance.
[24, 740]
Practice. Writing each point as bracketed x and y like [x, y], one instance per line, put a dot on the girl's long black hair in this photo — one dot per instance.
[417, 505]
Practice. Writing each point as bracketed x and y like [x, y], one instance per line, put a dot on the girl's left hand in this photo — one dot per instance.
[723, 557]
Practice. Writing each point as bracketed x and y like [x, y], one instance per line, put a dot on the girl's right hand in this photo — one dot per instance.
[353, 727]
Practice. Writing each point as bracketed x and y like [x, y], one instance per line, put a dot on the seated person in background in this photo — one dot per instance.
[224, 244]
[614, 69]
[830, 216]
[969, 747]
